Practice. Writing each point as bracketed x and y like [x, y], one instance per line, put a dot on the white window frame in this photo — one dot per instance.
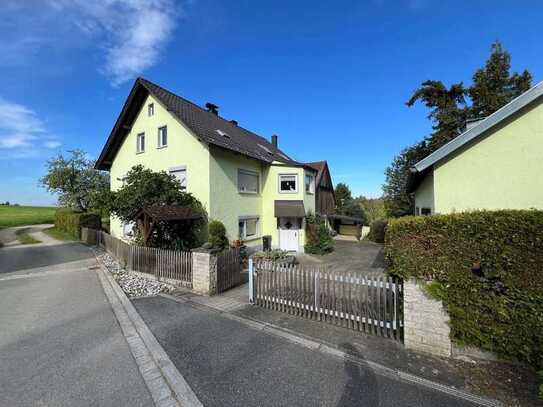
[150, 109]
[139, 145]
[180, 168]
[244, 219]
[160, 143]
[280, 176]
[311, 184]
[252, 173]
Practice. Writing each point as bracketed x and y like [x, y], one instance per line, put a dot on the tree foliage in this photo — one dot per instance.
[373, 207]
[75, 180]
[493, 87]
[143, 187]
[346, 205]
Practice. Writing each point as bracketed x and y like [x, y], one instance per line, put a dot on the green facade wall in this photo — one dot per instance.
[501, 170]
[183, 149]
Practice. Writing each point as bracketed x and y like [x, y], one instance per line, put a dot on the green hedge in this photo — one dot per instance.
[377, 230]
[487, 267]
[217, 234]
[71, 222]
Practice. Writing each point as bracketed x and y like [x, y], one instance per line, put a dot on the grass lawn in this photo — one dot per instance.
[25, 238]
[25, 215]
[59, 234]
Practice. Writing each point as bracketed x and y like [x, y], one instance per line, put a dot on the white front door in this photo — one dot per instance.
[288, 234]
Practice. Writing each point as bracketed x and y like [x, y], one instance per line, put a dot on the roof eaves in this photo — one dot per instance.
[492, 120]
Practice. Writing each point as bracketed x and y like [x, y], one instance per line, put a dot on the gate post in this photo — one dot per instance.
[251, 283]
[204, 271]
[426, 322]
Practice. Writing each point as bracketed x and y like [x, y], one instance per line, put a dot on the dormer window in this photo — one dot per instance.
[150, 109]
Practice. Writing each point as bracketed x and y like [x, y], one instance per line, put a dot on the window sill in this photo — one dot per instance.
[248, 193]
[140, 152]
[288, 192]
[251, 239]
[161, 147]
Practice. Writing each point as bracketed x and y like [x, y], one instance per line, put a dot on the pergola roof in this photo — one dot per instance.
[169, 213]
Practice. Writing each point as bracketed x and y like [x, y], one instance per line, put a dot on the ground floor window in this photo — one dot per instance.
[425, 211]
[248, 228]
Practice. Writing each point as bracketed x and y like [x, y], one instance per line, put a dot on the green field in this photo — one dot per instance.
[25, 215]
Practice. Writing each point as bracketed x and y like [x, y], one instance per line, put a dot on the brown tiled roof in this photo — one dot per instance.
[201, 122]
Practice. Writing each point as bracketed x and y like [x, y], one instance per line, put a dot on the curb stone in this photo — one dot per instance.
[332, 351]
[167, 386]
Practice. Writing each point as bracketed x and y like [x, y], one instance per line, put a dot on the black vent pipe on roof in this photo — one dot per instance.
[212, 108]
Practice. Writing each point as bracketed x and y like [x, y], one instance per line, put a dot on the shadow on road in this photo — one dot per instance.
[27, 257]
[361, 387]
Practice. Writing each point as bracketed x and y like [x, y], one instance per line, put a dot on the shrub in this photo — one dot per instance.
[486, 267]
[71, 222]
[217, 234]
[377, 231]
[271, 255]
[319, 239]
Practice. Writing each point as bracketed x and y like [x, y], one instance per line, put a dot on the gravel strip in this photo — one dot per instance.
[134, 285]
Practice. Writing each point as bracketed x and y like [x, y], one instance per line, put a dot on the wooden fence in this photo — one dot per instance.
[171, 266]
[229, 269]
[371, 304]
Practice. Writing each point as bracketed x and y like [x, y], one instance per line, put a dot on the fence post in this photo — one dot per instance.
[316, 291]
[204, 271]
[251, 276]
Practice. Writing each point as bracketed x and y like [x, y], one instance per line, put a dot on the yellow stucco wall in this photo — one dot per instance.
[183, 149]
[503, 170]
[424, 198]
[227, 203]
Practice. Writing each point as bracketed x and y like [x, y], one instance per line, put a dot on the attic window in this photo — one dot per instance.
[222, 133]
[151, 109]
[266, 149]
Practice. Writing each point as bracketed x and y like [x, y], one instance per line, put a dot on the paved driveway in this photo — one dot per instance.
[351, 257]
[60, 344]
[227, 363]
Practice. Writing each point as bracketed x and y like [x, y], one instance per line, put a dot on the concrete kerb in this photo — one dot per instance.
[331, 350]
[166, 385]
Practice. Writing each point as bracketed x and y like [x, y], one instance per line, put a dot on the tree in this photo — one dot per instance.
[75, 180]
[398, 202]
[373, 207]
[143, 187]
[343, 195]
[493, 86]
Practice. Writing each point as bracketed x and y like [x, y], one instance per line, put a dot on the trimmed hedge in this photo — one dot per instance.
[377, 230]
[71, 222]
[217, 234]
[487, 267]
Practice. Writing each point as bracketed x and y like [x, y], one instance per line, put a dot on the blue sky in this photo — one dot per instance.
[330, 78]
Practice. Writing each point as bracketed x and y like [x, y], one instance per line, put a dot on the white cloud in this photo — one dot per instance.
[22, 133]
[132, 33]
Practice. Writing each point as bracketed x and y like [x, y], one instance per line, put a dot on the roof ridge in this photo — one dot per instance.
[141, 79]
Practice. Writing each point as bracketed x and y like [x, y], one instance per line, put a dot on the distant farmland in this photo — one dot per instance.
[25, 215]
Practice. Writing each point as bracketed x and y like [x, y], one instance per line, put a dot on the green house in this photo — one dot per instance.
[497, 163]
[243, 180]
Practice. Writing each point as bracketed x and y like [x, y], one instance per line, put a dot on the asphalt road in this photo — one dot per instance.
[229, 364]
[60, 344]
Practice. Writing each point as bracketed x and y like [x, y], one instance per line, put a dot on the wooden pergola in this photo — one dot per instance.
[148, 217]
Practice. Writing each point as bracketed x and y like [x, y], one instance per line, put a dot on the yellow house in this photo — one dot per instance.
[495, 164]
[242, 179]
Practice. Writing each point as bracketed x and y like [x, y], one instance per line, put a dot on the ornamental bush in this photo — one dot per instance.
[487, 267]
[71, 222]
[319, 239]
[217, 234]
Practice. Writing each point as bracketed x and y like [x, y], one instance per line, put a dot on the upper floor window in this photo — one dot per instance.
[162, 137]
[247, 182]
[150, 109]
[288, 183]
[140, 147]
[181, 174]
[310, 184]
